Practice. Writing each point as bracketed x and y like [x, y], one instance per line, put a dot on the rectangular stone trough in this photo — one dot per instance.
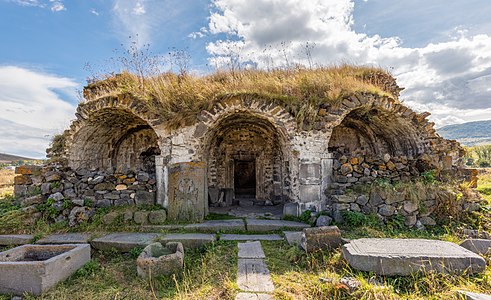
[36, 268]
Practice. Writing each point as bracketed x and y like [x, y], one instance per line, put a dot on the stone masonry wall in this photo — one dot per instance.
[66, 195]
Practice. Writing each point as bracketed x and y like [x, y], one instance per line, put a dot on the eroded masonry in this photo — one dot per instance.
[247, 149]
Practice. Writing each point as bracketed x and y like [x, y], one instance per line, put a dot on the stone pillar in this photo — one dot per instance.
[326, 174]
[162, 177]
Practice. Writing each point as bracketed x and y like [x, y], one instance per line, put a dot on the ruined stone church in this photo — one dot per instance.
[255, 145]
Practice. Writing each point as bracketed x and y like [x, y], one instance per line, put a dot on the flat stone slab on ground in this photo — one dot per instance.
[270, 225]
[473, 296]
[124, 242]
[478, 246]
[251, 250]
[253, 276]
[189, 240]
[66, 238]
[15, 239]
[218, 225]
[250, 237]
[253, 296]
[407, 256]
[293, 237]
[155, 228]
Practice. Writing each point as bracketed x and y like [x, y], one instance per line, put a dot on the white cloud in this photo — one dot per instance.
[451, 79]
[57, 6]
[53, 5]
[94, 12]
[32, 109]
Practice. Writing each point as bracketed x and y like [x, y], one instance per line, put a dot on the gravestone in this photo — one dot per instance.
[187, 192]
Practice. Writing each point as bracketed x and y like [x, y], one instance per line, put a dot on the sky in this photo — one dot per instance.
[438, 50]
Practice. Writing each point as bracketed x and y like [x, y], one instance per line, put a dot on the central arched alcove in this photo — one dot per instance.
[246, 157]
[114, 138]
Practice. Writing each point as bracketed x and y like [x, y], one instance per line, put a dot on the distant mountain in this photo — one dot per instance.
[468, 134]
[7, 158]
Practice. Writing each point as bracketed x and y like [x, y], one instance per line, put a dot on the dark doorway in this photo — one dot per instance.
[245, 179]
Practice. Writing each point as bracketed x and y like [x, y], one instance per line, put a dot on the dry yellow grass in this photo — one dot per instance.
[180, 98]
[6, 182]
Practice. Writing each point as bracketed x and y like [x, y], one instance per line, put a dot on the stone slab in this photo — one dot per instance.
[293, 237]
[155, 228]
[253, 276]
[472, 296]
[253, 296]
[250, 237]
[321, 238]
[36, 268]
[124, 242]
[218, 226]
[271, 225]
[66, 238]
[187, 192]
[189, 240]
[478, 246]
[406, 256]
[251, 250]
[15, 239]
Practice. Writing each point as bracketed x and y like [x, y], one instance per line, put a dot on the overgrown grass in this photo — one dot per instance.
[484, 185]
[179, 99]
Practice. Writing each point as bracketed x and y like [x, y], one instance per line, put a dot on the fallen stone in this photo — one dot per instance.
[291, 209]
[427, 221]
[141, 217]
[189, 240]
[478, 246]
[124, 242]
[271, 225]
[321, 238]
[351, 283]
[157, 260]
[15, 239]
[293, 237]
[253, 276]
[253, 296]
[251, 250]
[157, 216]
[218, 225]
[110, 217]
[250, 237]
[323, 221]
[407, 256]
[66, 238]
[473, 296]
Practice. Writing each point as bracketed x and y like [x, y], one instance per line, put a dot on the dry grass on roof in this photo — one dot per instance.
[180, 98]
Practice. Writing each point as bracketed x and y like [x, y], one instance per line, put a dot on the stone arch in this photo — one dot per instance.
[112, 133]
[243, 138]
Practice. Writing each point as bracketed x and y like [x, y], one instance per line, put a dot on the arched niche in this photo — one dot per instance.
[114, 138]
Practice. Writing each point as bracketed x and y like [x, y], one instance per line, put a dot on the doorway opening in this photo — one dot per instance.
[245, 178]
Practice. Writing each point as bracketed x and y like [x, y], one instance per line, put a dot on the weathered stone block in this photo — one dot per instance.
[291, 209]
[141, 217]
[28, 170]
[158, 260]
[36, 268]
[310, 193]
[478, 246]
[391, 257]
[187, 192]
[321, 238]
[22, 180]
[144, 198]
[323, 221]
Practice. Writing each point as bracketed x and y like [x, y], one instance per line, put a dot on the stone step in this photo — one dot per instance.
[218, 226]
[271, 225]
[251, 250]
[253, 296]
[15, 239]
[124, 242]
[66, 238]
[189, 240]
[250, 237]
[253, 276]
[407, 256]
